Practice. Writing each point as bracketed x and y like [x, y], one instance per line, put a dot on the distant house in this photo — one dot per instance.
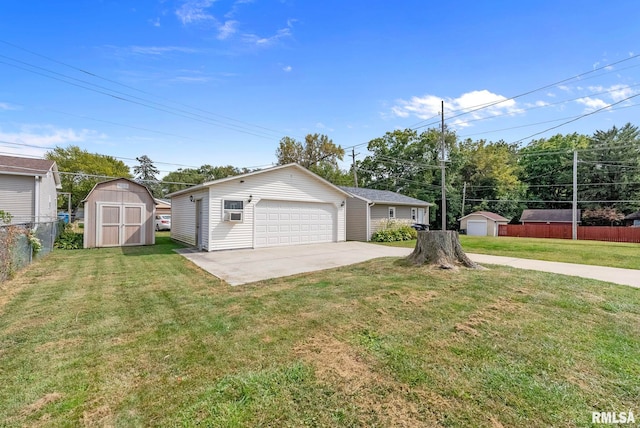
[369, 209]
[163, 206]
[482, 223]
[28, 189]
[633, 219]
[119, 212]
[549, 216]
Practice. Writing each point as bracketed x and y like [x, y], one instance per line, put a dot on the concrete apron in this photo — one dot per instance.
[238, 267]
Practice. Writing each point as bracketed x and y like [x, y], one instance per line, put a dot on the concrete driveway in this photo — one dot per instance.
[243, 266]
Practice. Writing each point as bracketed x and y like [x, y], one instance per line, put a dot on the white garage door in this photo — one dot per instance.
[292, 223]
[477, 228]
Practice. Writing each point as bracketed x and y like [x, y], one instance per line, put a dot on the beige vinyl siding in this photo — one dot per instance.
[17, 195]
[110, 193]
[183, 217]
[380, 215]
[285, 184]
[492, 225]
[357, 221]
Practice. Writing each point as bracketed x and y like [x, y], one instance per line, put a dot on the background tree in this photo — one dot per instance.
[318, 154]
[147, 174]
[186, 177]
[81, 170]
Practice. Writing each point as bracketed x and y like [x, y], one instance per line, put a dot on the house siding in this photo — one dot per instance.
[183, 218]
[357, 221]
[380, 215]
[17, 197]
[48, 197]
[286, 184]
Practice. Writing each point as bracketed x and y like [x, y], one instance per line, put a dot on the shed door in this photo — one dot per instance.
[291, 223]
[477, 227]
[119, 225]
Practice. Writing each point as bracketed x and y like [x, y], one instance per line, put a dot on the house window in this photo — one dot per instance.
[414, 214]
[233, 211]
[636, 222]
[233, 205]
[392, 212]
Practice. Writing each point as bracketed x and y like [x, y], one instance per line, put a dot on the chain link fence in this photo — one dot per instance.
[17, 242]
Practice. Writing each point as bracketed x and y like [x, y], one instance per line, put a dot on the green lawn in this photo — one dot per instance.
[613, 254]
[141, 337]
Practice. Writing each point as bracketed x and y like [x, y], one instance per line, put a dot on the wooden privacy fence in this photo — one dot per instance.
[563, 231]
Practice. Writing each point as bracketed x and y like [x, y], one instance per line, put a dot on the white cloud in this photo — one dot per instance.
[227, 29]
[193, 11]
[267, 41]
[40, 138]
[7, 106]
[159, 50]
[592, 103]
[620, 92]
[287, 68]
[479, 105]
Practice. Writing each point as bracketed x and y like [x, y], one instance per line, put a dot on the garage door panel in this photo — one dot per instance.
[476, 228]
[291, 223]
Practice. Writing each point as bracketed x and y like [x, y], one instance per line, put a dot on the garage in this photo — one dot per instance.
[291, 223]
[477, 228]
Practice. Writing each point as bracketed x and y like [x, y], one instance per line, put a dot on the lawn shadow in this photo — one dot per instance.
[164, 246]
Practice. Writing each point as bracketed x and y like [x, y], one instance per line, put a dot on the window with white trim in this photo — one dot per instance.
[414, 214]
[392, 212]
[233, 210]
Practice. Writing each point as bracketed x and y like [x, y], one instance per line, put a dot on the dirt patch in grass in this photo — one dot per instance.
[339, 365]
[41, 403]
[100, 415]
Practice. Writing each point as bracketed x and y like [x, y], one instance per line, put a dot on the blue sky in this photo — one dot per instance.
[193, 82]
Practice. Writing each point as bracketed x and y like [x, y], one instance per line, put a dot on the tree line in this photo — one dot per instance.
[495, 176]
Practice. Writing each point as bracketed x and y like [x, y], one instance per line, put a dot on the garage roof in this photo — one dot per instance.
[487, 214]
[384, 196]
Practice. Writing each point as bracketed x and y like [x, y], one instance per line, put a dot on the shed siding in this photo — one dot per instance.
[110, 192]
[17, 197]
[286, 184]
[357, 229]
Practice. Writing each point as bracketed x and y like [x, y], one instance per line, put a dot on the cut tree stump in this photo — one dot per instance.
[441, 249]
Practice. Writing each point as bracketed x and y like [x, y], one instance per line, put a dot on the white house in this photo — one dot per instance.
[28, 189]
[283, 205]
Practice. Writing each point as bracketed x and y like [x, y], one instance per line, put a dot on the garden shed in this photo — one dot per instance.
[119, 212]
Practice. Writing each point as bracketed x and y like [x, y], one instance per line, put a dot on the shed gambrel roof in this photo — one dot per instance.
[487, 214]
[384, 196]
[15, 165]
[548, 216]
[128, 180]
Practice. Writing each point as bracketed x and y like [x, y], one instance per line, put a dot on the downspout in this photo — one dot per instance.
[369, 205]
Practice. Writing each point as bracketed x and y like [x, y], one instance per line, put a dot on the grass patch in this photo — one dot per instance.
[141, 337]
[596, 253]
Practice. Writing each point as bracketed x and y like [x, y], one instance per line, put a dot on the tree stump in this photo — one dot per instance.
[441, 249]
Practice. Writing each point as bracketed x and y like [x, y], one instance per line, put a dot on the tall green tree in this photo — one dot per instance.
[318, 154]
[147, 174]
[81, 170]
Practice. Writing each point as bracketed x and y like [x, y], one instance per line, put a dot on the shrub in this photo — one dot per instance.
[394, 231]
[68, 239]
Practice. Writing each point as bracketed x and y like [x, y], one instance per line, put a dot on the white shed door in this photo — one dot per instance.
[477, 227]
[293, 223]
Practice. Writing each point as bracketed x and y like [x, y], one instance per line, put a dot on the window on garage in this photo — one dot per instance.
[392, 212]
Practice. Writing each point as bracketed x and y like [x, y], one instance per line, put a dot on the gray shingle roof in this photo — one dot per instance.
[25, 166]
[550, 216]
[633, 216]
[384, 196]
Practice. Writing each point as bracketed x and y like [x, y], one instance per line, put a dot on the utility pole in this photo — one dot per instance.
[355, 173]
[444, 191]
[574, 217]
[464, 196]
